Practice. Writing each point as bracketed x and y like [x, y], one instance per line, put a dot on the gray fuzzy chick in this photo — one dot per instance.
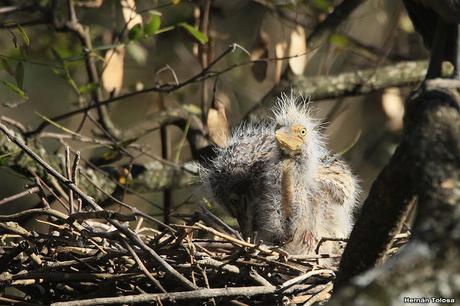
[281, 183]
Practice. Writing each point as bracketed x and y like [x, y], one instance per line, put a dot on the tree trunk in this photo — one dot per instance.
[425, 167]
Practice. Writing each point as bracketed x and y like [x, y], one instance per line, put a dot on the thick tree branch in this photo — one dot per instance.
[346, 84]
[425, 166]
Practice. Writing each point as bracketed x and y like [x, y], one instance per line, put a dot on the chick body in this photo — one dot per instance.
[286, 191]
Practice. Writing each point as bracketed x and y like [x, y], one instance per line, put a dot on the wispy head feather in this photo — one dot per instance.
[293, 109]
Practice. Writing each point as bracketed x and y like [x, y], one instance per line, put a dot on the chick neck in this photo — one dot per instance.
[287, 187]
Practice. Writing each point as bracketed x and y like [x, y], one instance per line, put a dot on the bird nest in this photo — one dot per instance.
[104, 257]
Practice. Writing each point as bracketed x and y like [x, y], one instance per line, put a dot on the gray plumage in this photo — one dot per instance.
[281, 197]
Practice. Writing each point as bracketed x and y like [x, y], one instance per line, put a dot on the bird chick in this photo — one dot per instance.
[281, 183]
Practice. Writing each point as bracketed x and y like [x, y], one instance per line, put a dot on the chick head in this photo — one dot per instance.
[297, 133]
[291, 138]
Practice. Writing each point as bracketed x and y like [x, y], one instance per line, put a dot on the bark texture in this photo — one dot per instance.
[425, 167]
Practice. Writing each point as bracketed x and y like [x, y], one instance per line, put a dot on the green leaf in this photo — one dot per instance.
[339, 40]
[323, 5]
[24, 36]
[19, 74]
[153, 25]
[71, 81]
[199, 36]
[7, 67]
[56, 124]
[65, 73]
[4, 158]
[15, 89]
[56, 71]
[136, 32]
[87, 88]
[192, 109]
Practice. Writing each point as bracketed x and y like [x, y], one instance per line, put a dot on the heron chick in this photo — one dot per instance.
[281, 183]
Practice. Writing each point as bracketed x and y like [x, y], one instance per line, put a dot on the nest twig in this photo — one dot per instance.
[87, 262]
[88, 255]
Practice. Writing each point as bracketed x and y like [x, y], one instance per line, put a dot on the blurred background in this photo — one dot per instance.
[136, 45]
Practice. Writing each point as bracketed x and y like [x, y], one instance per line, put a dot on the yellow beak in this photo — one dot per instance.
[288, 141]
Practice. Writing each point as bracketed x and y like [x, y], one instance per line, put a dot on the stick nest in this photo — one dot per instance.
[83, 259]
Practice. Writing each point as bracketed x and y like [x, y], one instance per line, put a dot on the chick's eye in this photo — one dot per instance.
[303, 132]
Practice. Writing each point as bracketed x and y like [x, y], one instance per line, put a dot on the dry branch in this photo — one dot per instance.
[19, 195]
[201, 294]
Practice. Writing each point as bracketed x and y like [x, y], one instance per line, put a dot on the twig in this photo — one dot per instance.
[42, 193]
[320, 296]
[165, 155]
[91, 201]
[204, 57]
[38, 211]
[14, 123]
[135, 238]
[143, 268]
[178, 296]
[132, 208]
[303, 277]
[207, 216]
[167, 88]
[326, 239]
[10, 227]
[68, 171]
[19, 195]
[102, 214]
[236, 241]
